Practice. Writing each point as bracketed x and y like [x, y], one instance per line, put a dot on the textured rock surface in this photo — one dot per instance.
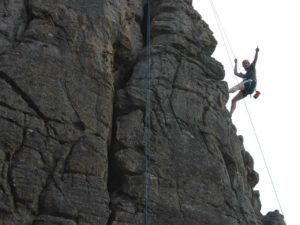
[273, 218]
[197, 165]
[57, 91]
[73, 79]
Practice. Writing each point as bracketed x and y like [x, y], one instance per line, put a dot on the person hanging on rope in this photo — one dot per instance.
[248, 85]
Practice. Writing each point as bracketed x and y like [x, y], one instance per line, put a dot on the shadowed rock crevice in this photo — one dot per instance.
[79, 124]
[144, 25]
[24, 96]
[114, 179]
[122, 70]
[28, 17]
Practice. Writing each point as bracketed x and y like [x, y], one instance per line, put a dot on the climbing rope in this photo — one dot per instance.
[223, 33]
[148, 111]
[226, 40]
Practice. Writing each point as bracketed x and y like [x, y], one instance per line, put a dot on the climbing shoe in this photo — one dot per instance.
[257, 93]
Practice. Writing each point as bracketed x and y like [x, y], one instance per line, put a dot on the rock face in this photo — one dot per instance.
[273, 218]
[88, 136]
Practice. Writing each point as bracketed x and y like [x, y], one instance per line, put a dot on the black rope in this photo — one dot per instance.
[148, 111]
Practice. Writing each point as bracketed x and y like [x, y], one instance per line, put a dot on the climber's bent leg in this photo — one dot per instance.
[238, 97]
[237, 87]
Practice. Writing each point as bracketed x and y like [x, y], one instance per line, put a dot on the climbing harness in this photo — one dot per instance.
[250, 85]
[224, 36]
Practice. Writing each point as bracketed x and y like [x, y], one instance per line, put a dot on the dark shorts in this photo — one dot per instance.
[249, 87]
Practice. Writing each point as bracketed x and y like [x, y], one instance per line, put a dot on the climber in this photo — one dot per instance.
[248, 85]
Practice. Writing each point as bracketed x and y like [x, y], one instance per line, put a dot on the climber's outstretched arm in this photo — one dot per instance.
[235, 70]
[255, 57]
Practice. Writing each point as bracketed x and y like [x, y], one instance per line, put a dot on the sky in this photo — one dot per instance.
[273, 26]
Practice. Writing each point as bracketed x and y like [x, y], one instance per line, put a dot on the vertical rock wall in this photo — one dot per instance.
[73, 79]
[199, 172]
[57, 80]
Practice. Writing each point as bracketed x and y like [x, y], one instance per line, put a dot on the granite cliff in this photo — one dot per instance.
[73, 103]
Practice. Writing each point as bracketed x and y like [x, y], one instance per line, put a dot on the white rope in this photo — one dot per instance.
[223, 35]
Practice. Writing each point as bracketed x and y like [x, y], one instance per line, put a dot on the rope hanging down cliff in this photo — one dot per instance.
[147, 110]
[225, 39]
